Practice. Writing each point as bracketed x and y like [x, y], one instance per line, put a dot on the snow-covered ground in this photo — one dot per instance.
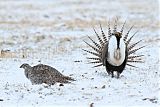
[52, 32]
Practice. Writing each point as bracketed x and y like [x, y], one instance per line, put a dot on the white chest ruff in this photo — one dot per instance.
[116, 56]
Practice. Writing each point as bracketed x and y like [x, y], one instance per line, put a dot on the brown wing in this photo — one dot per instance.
[42, 74]
[46, 68]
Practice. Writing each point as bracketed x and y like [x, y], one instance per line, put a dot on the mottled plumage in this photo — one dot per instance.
[114, 59]
[44, 74]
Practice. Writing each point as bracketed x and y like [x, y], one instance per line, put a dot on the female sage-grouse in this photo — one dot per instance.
[115, 50]
[44, 74]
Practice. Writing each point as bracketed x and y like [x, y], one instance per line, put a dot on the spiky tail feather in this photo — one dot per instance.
[65, 79]
[69, 78]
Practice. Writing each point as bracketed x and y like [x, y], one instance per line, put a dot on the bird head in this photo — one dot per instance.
[118, 34]
[25, 66]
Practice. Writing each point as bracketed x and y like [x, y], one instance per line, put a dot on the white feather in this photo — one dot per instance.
[116, 56]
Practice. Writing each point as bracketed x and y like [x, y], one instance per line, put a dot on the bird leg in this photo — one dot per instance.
[112, 74]
[118, 75]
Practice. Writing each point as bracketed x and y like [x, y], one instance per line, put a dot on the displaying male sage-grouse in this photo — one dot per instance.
[114, 51]
[44, 74]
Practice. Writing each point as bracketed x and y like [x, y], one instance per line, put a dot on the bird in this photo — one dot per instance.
[41, 73]
[114, 50]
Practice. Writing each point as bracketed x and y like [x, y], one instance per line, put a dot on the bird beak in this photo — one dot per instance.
[20, 66]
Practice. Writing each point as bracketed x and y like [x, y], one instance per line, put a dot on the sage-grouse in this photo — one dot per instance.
[44, 74]
[114, 51]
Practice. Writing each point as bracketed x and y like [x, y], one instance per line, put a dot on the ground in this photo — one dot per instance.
[52, 32]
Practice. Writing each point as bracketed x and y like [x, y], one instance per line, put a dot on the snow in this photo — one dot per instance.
[52, 33]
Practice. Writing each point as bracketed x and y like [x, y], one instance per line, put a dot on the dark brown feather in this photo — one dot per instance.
[128, 41]
[133, 45]
[93, 53]
[126, 36]
[100, 40]
[96, 44]
[97, 50]
[103, 35]
[137, 56]
[133, 51]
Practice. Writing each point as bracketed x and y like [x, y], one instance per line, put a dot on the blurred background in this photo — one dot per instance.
[60, 26]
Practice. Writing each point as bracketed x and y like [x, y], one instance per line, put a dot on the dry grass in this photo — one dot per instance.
[45, 16]
[7, 54]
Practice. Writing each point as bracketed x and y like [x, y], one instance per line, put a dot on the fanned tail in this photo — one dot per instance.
[96, 44]
[115, 25]
[109, 30]
[131, 50]
[136, 56]
[126, 36]
[100, 47]
[131, 65]
[93, 53]
[133, 45]
[103, 35]
[100, 40]
[128, 41]
[134, 50]
[97, 50]
[123, 27]
[97, 47]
